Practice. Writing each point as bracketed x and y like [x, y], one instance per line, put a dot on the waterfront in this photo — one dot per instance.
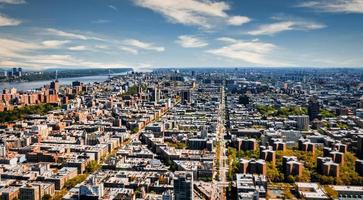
[24, 86]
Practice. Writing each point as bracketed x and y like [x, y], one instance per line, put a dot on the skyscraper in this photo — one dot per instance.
[313, 108]
[54, 85]
[186, 97]
[360, 147]
[183, 185]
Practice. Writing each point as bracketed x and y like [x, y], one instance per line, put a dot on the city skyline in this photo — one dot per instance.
[156, 33]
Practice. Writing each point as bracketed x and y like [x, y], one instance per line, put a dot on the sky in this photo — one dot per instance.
[39, 34]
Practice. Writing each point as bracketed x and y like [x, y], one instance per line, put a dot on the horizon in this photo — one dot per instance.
[149, 34]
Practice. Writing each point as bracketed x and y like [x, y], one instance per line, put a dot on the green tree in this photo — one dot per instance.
[92, 166]
[331, 192]
[47, 197]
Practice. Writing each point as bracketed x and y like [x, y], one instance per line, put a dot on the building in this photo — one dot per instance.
[348, 192]
[253, 166]
[200, 144]
[291, 166]
[279, 145]
[306, 145]
[186, 97]
[313, 108]
[359, 167]
[30, 192]
[327, 167]
[310, 191]
[183, 185]
[338, 157]
[251, 186]
[9, 193]
[302, 121]
[268, 155]
[245, 144]
[154, 93]
[341, 147]
[92, 190]
[360, 146]
[54, 85]
[2, 150]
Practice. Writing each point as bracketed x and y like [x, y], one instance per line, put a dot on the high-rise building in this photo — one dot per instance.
[302, 121]
[252, 166]
[186, 97]
[20, 71]
[14, 71]
[313, 108]
[183, 185]
[2, 150]
[30, 192]
[154, 94]
[359, 167]
[360, 146]
[54, 85]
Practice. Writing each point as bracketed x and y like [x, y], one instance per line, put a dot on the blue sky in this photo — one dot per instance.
[38, 34]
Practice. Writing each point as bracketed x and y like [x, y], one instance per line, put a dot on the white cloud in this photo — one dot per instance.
[238, 20]
[54, 43]
[101, 21]
[101, 46]
[70, 35]
[14, 48]
[188, 41]
[254, 52]
[201, 13]
[12, 1]
[113, 7]
[129, 49]
[143, 45]
[78, 48]
[277, 27]
[338, 6]
[227, 39]
[26, 53]
[6, 21]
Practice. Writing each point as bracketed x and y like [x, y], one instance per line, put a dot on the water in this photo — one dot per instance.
[24, 86]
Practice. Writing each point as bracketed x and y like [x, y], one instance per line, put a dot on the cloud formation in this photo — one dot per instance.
[54, 43]
[60, 33]
[238, 20]
[335, 6]
[6, 21]
[277, 27]
[133, 43]
[254, 52]
[12, 1]
[113, 7]
[200, 13]
[188, 41]
[78, 48]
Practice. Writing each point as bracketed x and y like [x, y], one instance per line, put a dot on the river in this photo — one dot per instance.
[24, 86]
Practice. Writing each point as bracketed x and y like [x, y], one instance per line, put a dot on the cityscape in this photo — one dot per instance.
[181, 100]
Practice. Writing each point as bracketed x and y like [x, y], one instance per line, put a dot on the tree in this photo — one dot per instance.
[290, 179]
[331, 192]
[135, 130]
[92, 166]
[47, 197]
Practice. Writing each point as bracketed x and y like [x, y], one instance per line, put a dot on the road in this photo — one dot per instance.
[220, 184]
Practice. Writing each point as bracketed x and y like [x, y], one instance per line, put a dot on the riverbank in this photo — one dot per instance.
[24, 86]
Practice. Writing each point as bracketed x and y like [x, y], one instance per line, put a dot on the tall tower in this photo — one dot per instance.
[183, 185]
[313, 108]
[54, 85]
